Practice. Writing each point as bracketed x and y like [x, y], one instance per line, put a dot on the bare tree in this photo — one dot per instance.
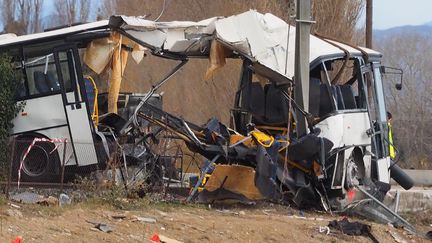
[68, 12]
[410, 107]
[35, 23]
[106, 9]
[7, 13]
[338, 19]
[21, 16]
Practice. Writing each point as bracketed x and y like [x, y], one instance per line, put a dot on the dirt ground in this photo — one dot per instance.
[186, 223]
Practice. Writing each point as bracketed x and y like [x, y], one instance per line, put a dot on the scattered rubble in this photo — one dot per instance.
[119, 216]
[324, 229]
[144, 219]
[352, 228]
[101, 226]
[64, 200]
[397, 237]
[49, 201]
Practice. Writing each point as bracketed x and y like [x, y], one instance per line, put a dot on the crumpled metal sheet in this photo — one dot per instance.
[261, 37]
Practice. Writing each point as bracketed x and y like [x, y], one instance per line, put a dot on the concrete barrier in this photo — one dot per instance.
[417, 199]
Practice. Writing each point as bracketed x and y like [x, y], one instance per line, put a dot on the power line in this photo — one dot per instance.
[163, 10]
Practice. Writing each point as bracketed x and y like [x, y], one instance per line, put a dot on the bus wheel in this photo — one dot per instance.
[42, 163]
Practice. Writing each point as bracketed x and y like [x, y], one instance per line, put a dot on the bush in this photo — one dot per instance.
[8, 109]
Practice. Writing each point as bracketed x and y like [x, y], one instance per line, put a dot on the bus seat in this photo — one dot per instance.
[276, 106]
[326, 100]
[257, 100]
[40, 82]
[338, 96]
[348, 97]
[52, 81]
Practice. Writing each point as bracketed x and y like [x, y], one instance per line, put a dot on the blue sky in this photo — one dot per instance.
[391, 13]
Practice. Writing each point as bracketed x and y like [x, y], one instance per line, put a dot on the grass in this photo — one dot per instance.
[113, 196]
[113, 201]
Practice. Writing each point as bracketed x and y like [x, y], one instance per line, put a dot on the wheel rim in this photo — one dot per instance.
[36, 162]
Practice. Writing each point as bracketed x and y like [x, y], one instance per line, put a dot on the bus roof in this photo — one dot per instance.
[11, 39]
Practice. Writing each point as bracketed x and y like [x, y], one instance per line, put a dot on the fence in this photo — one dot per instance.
[53, 164]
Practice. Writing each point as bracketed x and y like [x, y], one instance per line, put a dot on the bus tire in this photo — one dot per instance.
[42, 163]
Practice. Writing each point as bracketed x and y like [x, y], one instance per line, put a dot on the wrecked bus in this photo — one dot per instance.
[345, 149]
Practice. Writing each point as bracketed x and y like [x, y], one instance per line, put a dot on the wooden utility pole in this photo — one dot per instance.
[301, 71]
[369, 14]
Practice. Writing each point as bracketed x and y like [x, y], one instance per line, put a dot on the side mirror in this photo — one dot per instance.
[392, 70]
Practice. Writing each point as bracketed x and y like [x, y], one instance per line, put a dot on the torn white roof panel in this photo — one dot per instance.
[129, 22]
[260, 37]
[264, 38]
[175, 36]
[54, 33]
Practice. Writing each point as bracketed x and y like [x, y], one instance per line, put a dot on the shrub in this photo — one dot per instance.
[8, 109]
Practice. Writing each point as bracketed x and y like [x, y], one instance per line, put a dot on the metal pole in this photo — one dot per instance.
[369, 14]
[301, 72]
[63, 166]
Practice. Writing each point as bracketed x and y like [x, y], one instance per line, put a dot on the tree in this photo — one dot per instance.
[8, 109]
[338, 19]
[21, 16]
[410, 107]
[68, 12]
[106, 9]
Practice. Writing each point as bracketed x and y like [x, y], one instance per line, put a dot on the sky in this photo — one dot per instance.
[392, 13]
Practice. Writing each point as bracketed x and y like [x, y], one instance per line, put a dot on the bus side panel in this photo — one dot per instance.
[40, 113]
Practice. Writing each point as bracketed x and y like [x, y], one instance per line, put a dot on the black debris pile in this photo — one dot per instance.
[352, 228]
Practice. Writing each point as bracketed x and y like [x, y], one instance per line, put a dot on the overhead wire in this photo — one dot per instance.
[162, 11]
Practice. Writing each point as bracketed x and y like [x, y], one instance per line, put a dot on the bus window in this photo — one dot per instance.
[42, 75]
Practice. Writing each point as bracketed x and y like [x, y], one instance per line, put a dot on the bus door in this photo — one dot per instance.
[78, 119]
